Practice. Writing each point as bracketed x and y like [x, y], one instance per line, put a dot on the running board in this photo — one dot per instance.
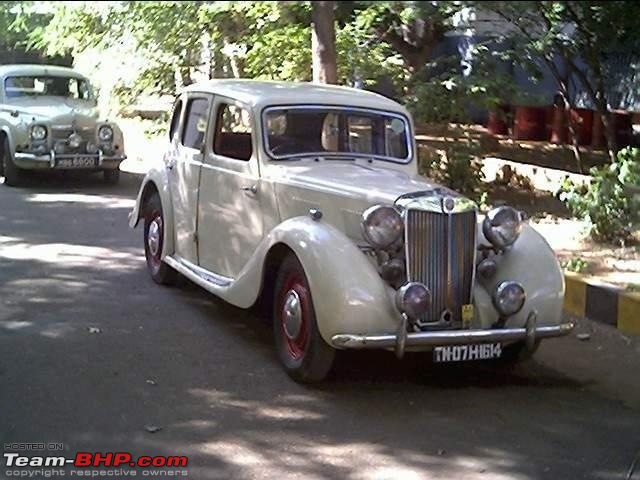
[208, 280]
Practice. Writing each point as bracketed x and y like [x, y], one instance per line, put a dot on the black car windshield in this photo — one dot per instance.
[331, 131]
[41, 85]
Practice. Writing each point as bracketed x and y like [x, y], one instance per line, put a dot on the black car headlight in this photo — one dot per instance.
[502, 226]
[381, 225]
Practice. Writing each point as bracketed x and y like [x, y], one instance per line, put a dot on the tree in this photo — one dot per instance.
[577, 38]
[412, 29]
[323, 41]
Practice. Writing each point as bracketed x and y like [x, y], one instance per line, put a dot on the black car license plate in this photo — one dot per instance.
[76, 162]
[466, 353]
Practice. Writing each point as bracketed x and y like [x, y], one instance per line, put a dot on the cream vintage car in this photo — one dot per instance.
[49, 121]
[308, 198]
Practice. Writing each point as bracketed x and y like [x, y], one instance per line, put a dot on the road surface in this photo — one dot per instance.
[93, 354]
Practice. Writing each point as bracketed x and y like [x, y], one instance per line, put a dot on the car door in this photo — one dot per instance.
[230, 223]
[184, 167]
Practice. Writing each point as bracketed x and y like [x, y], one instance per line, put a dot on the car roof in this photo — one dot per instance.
[34, 69]
[263, 93]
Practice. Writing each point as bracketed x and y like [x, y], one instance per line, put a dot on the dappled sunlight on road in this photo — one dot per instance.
[104, 201]
[68, 255]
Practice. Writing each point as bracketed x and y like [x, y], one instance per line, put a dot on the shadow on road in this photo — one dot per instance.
[91, 351]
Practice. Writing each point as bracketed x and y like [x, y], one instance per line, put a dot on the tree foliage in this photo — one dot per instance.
[574, 40]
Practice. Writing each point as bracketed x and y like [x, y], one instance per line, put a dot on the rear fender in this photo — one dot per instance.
[156, 180]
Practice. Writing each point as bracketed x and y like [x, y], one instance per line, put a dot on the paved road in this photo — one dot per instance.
[68, 264]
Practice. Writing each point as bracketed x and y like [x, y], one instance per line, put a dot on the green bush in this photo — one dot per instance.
[607, 202]
[456, 164]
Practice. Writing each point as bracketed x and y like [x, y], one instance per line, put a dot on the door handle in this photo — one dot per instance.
[252, 189]
[171, 164]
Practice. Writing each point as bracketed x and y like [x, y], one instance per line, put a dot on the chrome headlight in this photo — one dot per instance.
[413, 299]
[381, 225]
[38, 133]
[105, 133]
[502, 226]
[509, 298]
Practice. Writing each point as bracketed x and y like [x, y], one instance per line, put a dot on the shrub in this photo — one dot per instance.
[607, 203]
[455, 165]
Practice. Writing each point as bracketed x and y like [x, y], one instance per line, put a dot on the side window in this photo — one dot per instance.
[175, 119]
[233, 132]
[195, 125]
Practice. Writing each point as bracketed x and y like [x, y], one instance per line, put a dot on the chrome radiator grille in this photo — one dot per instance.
[63, 133]
[440, 254]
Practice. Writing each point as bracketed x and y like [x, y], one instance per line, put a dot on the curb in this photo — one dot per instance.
[587, 297]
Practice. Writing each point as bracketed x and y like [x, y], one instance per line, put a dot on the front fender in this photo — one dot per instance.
[156, 179]
[532, 262]
[348, 293]
[16, 134]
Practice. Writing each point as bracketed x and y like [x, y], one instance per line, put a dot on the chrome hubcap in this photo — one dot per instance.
[153, 237]
[292, 314]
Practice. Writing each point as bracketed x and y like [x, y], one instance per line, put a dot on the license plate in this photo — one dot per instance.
[77, 162]
[466, 353]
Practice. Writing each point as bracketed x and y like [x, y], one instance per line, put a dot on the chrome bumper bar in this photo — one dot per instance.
[530, 333]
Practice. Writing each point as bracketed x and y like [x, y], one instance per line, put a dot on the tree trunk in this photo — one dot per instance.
[561, 81]
[323, 43]
[605, 115]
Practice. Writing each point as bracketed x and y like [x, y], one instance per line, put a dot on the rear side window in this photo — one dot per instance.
[195, 125]
[233, 132]
[175, 119]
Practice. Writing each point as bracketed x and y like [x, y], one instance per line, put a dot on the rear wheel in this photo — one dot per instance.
[154, 233]
[304, 354]
[111, 177]
[13, 176]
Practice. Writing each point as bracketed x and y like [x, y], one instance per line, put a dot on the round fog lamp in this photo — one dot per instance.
[509, 298]
[92, 148]
[59, 147]
[413, 299]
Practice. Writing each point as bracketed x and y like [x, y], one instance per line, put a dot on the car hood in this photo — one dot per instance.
[343, 190]
[54, 109]
[357, 181]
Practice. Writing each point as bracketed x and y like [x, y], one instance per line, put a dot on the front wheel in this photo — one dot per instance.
[304, 354]
[154, 233]
[13, 176]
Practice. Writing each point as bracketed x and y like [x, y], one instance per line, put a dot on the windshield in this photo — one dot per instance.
[326, 131]
[40, 85]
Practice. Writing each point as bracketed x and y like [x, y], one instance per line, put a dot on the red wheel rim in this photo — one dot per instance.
[153, 241]
[295, 335]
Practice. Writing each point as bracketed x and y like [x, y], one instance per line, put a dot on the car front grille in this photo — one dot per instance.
[61, 135]
[440, 254]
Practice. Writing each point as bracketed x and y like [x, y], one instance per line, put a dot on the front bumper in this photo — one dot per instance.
[52, 161]
[530, 333]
